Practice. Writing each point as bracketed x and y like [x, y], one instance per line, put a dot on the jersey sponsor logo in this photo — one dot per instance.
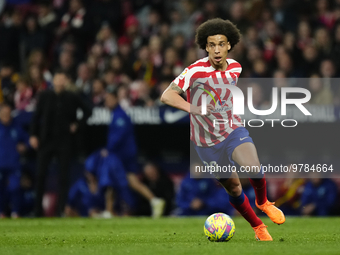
[209, 93]
[220, 105]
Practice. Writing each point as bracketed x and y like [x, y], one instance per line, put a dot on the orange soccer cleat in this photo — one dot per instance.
[262, 234]
[274, 213]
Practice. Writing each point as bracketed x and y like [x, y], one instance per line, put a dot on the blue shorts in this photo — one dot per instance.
[217, 154]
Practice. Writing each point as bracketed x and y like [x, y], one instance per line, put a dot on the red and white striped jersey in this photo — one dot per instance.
[200, 78]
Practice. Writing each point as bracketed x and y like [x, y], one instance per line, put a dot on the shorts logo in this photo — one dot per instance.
[241, 139]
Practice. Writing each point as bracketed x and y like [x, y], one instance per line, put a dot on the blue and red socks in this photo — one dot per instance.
[241, 204]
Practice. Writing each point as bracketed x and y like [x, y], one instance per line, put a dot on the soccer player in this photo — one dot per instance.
[121, 142]
[231, 141]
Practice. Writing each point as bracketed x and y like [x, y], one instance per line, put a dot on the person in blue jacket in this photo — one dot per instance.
[196, 196]
[121, 142]
[21, 193]
[13, 142]
[319, 197]
[111, 177]
[85, 197]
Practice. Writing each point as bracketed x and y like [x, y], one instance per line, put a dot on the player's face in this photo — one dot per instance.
[217, 47]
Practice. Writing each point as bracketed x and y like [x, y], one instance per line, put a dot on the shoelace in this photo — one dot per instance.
[269, 203]
[259, 227]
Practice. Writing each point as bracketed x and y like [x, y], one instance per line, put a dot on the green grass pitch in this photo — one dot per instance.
[163, 236]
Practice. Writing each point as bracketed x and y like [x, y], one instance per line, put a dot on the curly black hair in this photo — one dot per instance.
[217, 26]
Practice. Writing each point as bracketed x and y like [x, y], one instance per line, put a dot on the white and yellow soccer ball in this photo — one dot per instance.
[219, 227]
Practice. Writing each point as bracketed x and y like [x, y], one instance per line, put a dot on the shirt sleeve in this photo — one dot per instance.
[183, 80]
[235, 70]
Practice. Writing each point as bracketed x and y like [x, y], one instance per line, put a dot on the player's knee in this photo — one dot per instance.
[253, 163]
[235, 189]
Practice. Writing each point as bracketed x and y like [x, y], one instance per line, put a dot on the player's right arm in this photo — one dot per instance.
[171, 96]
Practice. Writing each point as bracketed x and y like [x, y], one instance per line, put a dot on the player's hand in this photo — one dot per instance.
[34, 142]
[73, 128]
[104, 153]
[21, 148]
[196, 204]
[197, 110]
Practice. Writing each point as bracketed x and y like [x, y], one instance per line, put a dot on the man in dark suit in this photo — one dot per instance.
[52, 131]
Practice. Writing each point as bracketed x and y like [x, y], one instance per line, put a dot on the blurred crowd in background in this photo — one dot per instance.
[144, 45]
[138, 48]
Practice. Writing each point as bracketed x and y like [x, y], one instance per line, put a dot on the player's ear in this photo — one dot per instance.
[206, 48]
[229, 46]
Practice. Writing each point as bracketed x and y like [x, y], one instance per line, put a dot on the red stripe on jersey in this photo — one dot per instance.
[228, 94]
[224, 78]
[233, 65]
[201, 132]
[215, 80]
[201, 74]
[188, 96]
[181, 83]
[200, 63]
[213, 137]
[238, 118]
